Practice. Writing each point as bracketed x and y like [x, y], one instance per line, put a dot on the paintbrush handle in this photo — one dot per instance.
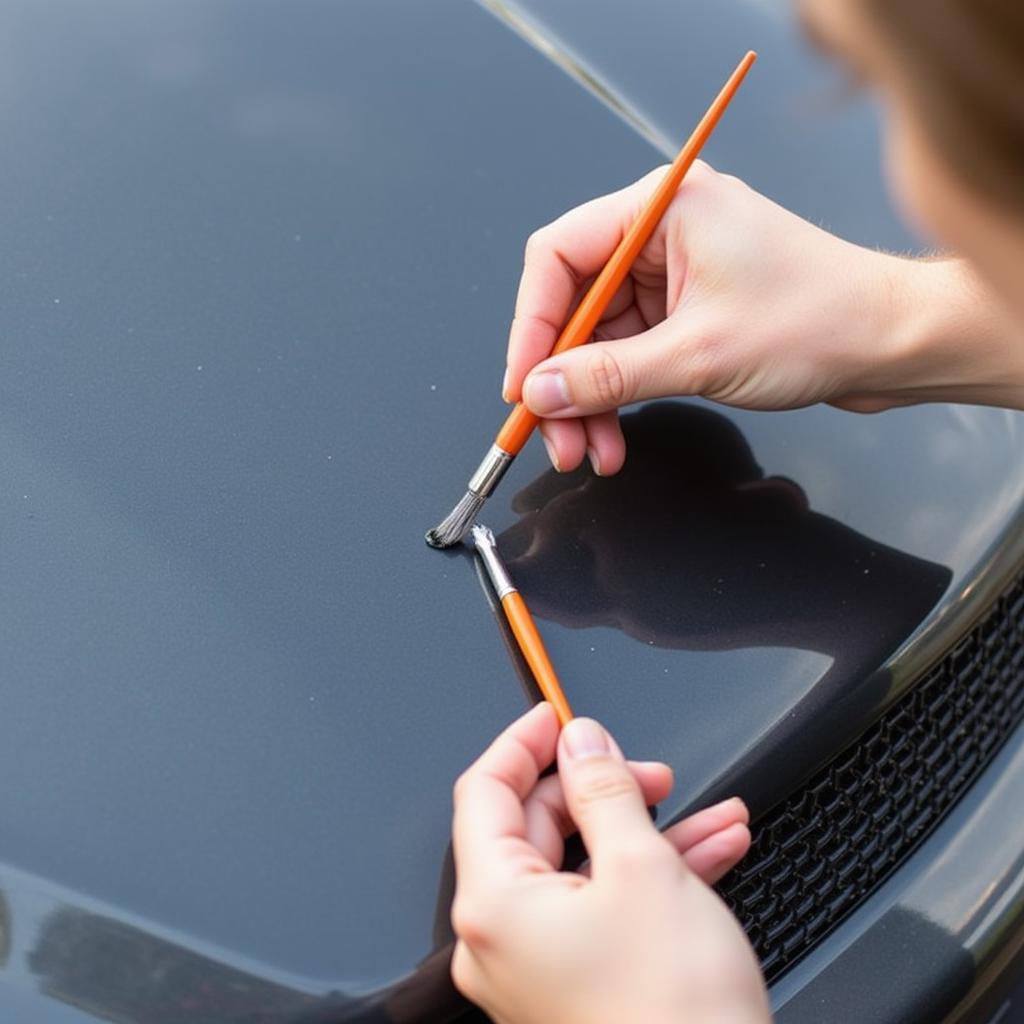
[535, 653]
[521, 422]
[516, 429]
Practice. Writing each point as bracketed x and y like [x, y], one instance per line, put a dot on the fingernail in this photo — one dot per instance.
[595, 461]
[552, 454]
[583, 738]
[546, 392]
[733, 807]
[740, 806]
[504, 386]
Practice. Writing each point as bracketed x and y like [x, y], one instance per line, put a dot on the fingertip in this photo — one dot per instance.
[741, 809]
[566, 443]
[543, 710]
[735, 842]
[656, 779]
[537, 729]
[553, 456]
[542, 721]
[572, 460]
[746, 838]
[612, 456]
[546, 392]
[606, 446]
[689, 833]
[512, 384]
[530, 341]
[717, 855]
[725, 812]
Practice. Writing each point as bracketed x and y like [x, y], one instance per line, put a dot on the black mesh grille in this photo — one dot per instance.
[821, 852]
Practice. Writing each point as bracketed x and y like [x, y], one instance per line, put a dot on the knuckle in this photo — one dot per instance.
[702, 174]
[605, 379]
[698, 365]
[644, 855]
[702, 169]
[471, 923]
[462, 786]
[653, 177]
[737, 184]
[601, 782]
[536, 243]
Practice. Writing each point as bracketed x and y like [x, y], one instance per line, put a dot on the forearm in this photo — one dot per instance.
[950, 340]
[743, 302]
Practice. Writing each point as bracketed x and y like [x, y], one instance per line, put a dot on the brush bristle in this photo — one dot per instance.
[452, 529]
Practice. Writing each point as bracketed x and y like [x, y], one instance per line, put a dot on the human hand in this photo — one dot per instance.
[640, 936]
[736, 299]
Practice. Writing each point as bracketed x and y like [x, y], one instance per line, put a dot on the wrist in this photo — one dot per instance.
[942, 337]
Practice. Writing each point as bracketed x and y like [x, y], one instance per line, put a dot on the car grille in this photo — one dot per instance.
[821, 852]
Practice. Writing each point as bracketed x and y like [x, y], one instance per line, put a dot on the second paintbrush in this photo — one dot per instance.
[522, 624]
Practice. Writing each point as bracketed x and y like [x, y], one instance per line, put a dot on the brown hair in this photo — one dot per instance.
[965, 65]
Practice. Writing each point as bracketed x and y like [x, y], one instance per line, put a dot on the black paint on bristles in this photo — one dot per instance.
[456, 525]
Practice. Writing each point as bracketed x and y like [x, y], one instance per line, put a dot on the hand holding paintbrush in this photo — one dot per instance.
[521, 422]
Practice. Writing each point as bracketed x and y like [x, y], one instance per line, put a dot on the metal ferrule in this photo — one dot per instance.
[487, 548]
[490, 471]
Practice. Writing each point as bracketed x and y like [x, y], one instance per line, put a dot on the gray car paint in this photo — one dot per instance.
[258, 264]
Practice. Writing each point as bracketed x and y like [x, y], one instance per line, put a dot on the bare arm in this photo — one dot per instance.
[738, 300]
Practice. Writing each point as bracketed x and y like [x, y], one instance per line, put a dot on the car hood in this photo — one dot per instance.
[260, 261]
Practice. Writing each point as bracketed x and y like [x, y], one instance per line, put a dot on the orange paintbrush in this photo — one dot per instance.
[521, 422]
[521, 621]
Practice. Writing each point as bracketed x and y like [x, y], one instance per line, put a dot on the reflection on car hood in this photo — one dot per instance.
[259, 269]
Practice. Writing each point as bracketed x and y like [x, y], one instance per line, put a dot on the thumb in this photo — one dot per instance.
[607, 374]
[605, 801]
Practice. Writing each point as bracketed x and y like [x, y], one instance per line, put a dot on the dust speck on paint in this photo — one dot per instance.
[433, 387]
[198, 368]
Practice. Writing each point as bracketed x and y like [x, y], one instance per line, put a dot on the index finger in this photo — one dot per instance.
[489, 822]
[558, 259]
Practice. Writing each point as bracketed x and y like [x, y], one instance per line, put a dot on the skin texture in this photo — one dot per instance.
[737, 300]
[743, 302]
[639, 936]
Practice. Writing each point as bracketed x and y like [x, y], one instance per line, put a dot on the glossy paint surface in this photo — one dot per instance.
[258, 264]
